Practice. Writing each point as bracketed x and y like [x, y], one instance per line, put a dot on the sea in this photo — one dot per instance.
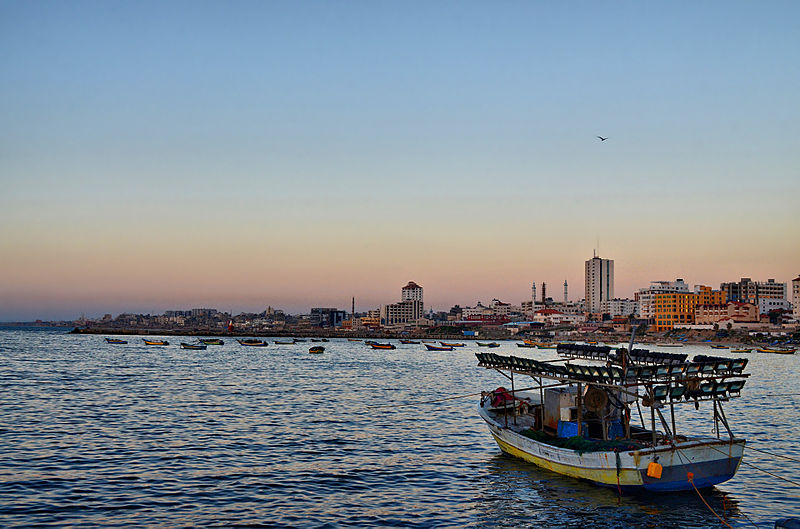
[101, 435]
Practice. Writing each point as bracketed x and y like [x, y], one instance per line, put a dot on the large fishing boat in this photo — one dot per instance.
[575, 418]
[252, 342]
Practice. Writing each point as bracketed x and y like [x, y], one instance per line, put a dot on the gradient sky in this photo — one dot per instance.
[162, 155]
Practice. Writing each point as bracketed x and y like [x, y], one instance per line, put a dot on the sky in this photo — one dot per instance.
[294, 154]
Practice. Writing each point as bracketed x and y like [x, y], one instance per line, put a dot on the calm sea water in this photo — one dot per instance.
[93, 434]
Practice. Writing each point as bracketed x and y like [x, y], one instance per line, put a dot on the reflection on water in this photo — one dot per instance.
[100, 434]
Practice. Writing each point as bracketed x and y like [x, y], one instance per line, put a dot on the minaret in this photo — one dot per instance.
[533, 295]
[544, 292]
[565, 291]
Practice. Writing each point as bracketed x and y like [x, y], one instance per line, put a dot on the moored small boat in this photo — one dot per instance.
[777, 350]
[541, 345]
[185, 345]
[582, 426]
[382, 346]
[489, 344]
[317, 349]
[354, 339]
[115, 341]
[528, 345]
[211, 341]
[408, 342]
[252, 342]
[278, 342]
[155, 342]
[717, 346]
[741, 350]
[438, 348]
[447, 344]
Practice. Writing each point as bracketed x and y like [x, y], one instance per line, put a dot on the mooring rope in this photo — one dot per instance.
[749, 447]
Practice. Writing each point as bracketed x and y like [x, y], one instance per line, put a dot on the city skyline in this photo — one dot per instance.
[157, 156]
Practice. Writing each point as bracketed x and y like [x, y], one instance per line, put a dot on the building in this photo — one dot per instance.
[411, 292]
[327, 317]
[645, 297]
[677, 309]
[796, 298]
[750, 291]
[619, 307]
[767, 305]
[599, 282]
[409, 309]
[736, 311]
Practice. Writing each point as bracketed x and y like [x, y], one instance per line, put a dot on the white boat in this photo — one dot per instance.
[578, 418]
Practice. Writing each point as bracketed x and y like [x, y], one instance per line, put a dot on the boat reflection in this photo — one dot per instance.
[514, 490]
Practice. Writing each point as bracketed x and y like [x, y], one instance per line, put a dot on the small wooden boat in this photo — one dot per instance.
[716, 346]
[185, 345]
[382, 346]
[408, 342]
[546, 345]
[115, 341]
[489, 344]
[741, 350]
[528, 345]
[155, 342]
[354, 339]
[446, 344]
[579, 423]
[211, 341]
[252, 342]
[777, 350]
[283, 343]
[317, 349]
[437, 348]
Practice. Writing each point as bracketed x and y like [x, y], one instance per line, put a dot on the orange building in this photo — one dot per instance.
[676, 309]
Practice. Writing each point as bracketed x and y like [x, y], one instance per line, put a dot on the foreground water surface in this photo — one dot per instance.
[93, 434]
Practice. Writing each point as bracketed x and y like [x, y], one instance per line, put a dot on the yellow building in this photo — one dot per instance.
[676, 309]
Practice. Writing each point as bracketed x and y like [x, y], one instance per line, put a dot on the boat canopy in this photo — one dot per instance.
[704, 378]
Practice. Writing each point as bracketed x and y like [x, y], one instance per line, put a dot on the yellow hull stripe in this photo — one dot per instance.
[609, 476]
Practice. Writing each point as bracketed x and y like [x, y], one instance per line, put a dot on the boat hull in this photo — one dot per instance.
[710, 460]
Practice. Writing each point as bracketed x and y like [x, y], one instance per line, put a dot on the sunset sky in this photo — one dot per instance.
[235, 155]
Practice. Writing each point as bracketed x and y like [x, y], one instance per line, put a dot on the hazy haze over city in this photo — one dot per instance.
[158, 155]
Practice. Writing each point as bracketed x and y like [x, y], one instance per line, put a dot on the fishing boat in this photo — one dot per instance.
[490, 344]
[115, 341]
[252, 342]
[354, 339]
[716, 346]
[541, 345]
[777, 350]
[185, 345]
[575, 418]
[317, 349]
[211, 341]
[438, 348]
[155, 342]
[528, 345]
[277, 342]
[741, 351]
[446, 344]
[382, 346]
[408, 342]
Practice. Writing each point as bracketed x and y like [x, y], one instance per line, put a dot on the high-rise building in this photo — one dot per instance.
[796, 298]
[599, 282]
[410, 307]
[749, 291]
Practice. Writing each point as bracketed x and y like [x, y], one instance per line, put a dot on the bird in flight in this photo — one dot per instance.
[602, 138]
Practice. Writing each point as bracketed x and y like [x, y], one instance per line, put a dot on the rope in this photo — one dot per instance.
[690, 477]
[426, 401]
[773, 454]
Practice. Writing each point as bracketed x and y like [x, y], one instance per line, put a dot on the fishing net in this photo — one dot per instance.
[582, 445]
